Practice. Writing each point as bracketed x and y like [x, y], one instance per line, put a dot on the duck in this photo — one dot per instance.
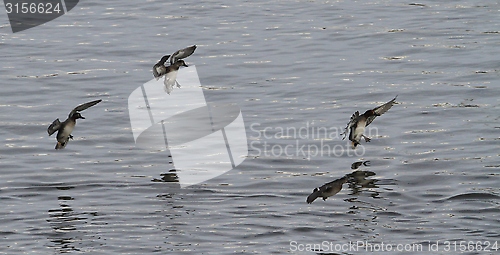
[358, 123]
[65, 128]
[171, 76]
[160, 70]
[334, 187]
[327, 190]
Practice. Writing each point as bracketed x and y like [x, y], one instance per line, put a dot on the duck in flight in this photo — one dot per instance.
[358, 123]
[327, 190]
[170, 72]
[65, 128]
[334, 187]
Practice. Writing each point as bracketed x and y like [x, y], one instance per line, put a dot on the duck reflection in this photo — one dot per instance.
[171, 176]
[63, 220]
[327, 190]
[359, 180]
[356, 165]
[356, 180]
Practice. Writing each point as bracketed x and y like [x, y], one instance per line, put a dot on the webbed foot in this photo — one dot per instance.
[367, 139]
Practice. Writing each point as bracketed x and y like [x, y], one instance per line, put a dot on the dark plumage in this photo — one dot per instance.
[357, 123]
[327, 190]
[159, 69]
[334, 187]
[356, 165]
[181, 54]
[65, 128]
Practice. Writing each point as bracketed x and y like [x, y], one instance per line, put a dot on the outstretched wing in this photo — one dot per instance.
[180, 54]
[157, 74]
[352, 122]
[54, 127]
[315, 194]
[163, 60]
[83, 107]
[160, 64]
[381, 110]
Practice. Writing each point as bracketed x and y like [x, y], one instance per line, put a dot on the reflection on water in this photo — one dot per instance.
[358, 181]
[357, 164]
[63, 221]
[171, 176]
[69, 225]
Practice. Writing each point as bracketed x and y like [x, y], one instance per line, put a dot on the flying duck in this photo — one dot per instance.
[65, 128]
[327, 190]
[335, 186]
[159, 69]
[357, 124]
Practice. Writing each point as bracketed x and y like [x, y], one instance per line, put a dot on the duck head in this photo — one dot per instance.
[77, 116]
[181, 63]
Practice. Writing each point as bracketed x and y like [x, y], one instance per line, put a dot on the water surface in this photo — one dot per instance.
[287, 64]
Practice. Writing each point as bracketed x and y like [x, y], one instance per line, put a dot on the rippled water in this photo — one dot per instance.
[288, 65]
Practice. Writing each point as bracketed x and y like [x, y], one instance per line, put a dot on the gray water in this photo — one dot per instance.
[434, 172]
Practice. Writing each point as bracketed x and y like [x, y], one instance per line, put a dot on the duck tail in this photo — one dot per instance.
[354, 144]
[59, 145]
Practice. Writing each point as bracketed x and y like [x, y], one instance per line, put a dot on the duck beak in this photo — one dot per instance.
[81, 117]
[185, 65]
